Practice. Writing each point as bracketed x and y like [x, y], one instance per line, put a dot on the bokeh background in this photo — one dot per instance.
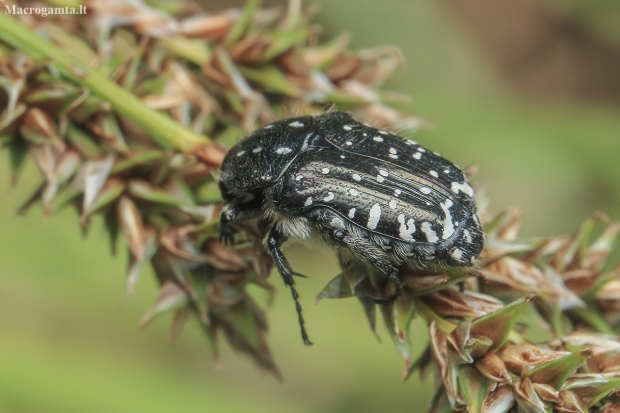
[530, 92]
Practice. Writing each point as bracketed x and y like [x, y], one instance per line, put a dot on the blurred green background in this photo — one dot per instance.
[69, 340]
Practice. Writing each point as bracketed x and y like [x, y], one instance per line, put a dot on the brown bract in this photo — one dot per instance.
[487, 337]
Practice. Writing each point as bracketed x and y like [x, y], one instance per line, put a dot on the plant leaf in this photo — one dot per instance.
[171, 298]
[18, 153]
[145, 191]
[499, 400]
[242, 24]
[473, 386]
[498, 325]
[130, 223]
[95, 175]
[338, 287]
[591, 388]
[556, 372]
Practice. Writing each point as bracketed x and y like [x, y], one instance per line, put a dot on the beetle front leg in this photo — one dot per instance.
[233, 214]
[227, 217]
[273, 242]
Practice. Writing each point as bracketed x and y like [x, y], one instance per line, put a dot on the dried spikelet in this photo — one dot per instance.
[484, 362]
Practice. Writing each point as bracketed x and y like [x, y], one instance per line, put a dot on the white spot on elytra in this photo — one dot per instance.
[352, 213]
[257, 150]
[347, 127]
[380, 179]
[407, 228]
[425, 190]
[308, 201]
[417, 155]
[393, 151]
[296, 124]
[365, 134]
[329, 197]
[421, 149]
[393, 203]
[382, 132]
[268, 127]
[240, 153]
[377, 139]
[397, 192]
[336, 222]
[446, 171]
[374, 216]
[383, 172]
[431, 236]
[304, 146]
[448, 228]
[354, 192]
[457, 254]
[409, 142]
[325, 171]
[463, 187]
[356, 177]
[467, 236]
[393, 156]
[349, 143]
[342, 156]
[283, 151]
[435, 174]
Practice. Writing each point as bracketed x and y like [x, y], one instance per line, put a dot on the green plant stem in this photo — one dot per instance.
[164, 130]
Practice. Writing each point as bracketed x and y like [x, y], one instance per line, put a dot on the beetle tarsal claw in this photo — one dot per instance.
[296, 274]
[227, 239]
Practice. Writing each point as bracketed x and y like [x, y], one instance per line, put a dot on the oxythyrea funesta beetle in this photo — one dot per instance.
[375, 195]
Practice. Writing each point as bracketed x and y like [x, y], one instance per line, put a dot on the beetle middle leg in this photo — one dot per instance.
[334, 226]
[360, 248]
[273, 242]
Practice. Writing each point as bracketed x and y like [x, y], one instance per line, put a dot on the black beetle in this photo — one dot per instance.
[375, 195]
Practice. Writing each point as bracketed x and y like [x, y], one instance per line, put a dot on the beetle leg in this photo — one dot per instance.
[335, 228]
[273, 242]
[234, 214]
[360, 248]
[227, 233]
